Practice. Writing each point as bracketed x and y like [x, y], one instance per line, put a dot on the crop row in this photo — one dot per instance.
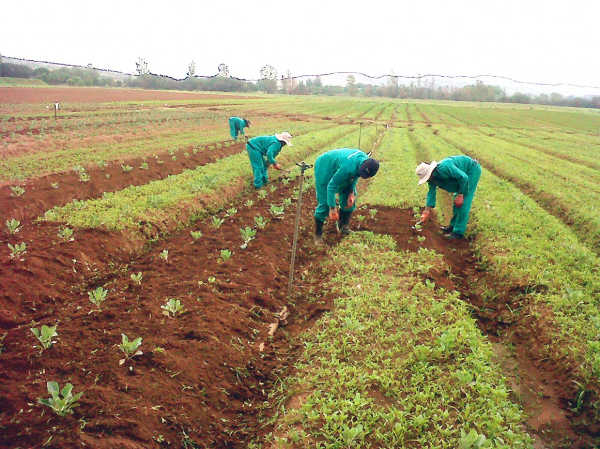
[521, 242]
[399, 363]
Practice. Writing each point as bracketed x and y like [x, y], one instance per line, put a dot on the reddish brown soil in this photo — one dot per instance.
[18, 95]
[40, 196]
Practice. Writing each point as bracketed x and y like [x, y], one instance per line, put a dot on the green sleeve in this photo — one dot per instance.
[272, 151]
[431, 195]
[461, 178]
[339, 178]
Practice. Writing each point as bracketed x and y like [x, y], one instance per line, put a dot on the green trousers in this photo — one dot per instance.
[322, 209]
[460, 215]
[259, 167]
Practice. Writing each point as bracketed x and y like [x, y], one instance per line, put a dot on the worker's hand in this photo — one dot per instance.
[334, 214]
[459, 200]
[426, 215]
[276, 166]
[351, 200]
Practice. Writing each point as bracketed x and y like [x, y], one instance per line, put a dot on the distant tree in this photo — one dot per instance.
[287, 84]
[191, 69]
[141, 67]
[223, 70]
[268, 78]
[351, 85]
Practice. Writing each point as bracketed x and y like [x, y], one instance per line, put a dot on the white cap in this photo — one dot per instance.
[424, 171]
[286, 137]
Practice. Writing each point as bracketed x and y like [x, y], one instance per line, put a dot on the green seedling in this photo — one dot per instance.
[231, 211]
[276, 211]
[54, 185]
[62, 402]
[372, 213]
[102, 164]
[17, 191]
[287, 202]
[164, 255]
[248, 234]
[17, 251]
[45, 335]
[66, 234]
[196, 235]
[360, 219]
[260, 221]
[195, 150]
[272, 188]
[137, 278]
[285, 181]
[225, 255]
[186, 154]
[126, 168]
[98, 296]
[473, 440]
[144, 166]
[13, 226]
[262, 194]
[217, 222]
[249, 203]
[129, 348]
[172, 307]
[212, 279]
[84, 176]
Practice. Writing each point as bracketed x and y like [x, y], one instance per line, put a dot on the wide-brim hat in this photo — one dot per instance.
[424, 171]
[285, 137]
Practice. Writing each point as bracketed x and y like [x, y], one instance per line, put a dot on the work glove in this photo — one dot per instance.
[276, 166]
[459, 200]
[351, 200]
[334, 214]
[426, 215]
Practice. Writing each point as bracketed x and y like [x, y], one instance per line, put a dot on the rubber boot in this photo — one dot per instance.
[318, 232]
[344, 223]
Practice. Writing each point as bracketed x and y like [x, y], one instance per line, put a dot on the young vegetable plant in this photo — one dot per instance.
[164, 255]
[276, 211]
[225, 255]
[62, 402]
[172, 307]
[98, 296]
[66, 234]
[137, 278]
[54, 185]
[248, 234]
[17, 191]
[17, 251]
[249, 203]
[217, 222]
[372, 213]
[45, 335]
[260, 221]
[196, 235]
[144, 166]
[126, 168]
[231, 211]
[13, 226]
[129, 348]
[287, 202]
[262, 194]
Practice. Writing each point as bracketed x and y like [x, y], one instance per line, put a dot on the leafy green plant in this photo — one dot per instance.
[287, 202]
[129, 348]
[285, 181]
[262, 194]
[260, 221]
[61, 402]
[217, 222]
[231, 211]
[66, 233]
[249, 203]
[372, 213]
[225, 255]
[144, 166]
[17, 191]
[54, 185]
[13, 226]
[164, 255]
[18, 250]
[272, 188]
[196, 235]
[45, 335]
[98, 296]
[137, 278]
[473, 440]
[276, 211]
[248, 234]
[172, 307]
[126, 168]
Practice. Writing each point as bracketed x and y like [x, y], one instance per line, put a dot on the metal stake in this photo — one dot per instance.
[359, 134]
[303, 166]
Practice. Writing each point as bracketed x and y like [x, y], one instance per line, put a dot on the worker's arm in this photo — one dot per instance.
[431, 195]
[339, 178]
[272, 151]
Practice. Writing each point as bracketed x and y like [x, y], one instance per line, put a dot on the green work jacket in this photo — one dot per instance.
[268, 146]
[338, 169]
[452, 175]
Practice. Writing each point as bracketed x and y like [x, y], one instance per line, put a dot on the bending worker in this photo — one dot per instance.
[262, 151]
[455, 174]
[237, 125]
[337, 172]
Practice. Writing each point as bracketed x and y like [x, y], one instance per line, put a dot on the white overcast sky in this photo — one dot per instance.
[547, 41]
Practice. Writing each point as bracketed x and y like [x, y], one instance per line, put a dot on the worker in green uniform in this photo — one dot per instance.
[262, 152]
[237, 125]
[337, 172]
[458, 175]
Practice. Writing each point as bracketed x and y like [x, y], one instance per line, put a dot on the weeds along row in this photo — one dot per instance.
[565, 189]
[554, 298]
[399, 363]
[164, 204]
[62, 160]
[196, 310]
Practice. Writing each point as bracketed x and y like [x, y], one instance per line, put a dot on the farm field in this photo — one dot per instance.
[132, 216]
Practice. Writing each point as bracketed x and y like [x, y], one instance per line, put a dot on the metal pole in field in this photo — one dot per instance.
[303, 167]
[359, 134]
